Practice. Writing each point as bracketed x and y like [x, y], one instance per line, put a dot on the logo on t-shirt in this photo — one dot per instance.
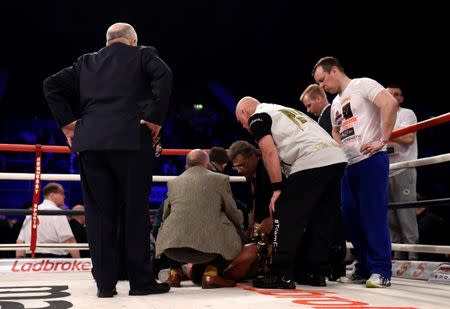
[347, 133]
[338, 118]
[347, 111]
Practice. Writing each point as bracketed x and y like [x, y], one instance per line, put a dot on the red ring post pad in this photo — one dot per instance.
[36, 195]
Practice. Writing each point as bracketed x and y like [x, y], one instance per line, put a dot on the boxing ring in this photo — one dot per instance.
[68, 283]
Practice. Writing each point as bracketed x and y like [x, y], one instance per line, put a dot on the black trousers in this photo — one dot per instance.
[310, 202]
[111, 179]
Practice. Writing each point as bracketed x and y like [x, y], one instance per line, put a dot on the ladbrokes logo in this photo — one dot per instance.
[62, 265]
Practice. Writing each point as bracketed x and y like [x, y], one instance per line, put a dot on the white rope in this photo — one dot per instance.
[416, 248]
[76, 177]
[84, 246]
[421, 162]
[11, 247]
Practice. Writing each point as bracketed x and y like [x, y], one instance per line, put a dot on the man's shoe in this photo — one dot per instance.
[158, 288]
[102, 293]
[271, 281]
[378, 281]
[312, 279]
[163, 275]
[354, 279]
[175, 276]
[337, 271]
[213, 282]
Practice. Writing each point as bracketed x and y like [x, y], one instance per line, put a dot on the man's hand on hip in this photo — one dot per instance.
[69, 132]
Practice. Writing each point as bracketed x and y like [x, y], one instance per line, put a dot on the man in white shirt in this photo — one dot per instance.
[51, 229]
[402, 183]
[363, 115]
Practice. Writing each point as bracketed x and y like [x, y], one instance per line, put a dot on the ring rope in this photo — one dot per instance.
[46, 212]
[76, 177]
[415, 248]
[421, 204]
[421, 162]
[65, 149]
[179, 152]
[84, 246]
[12, 247]
[421, 125]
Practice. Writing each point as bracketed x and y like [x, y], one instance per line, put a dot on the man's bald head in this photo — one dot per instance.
[122, 33]
[244, 109]
[78, 207]
[79, 218]
[197, 157]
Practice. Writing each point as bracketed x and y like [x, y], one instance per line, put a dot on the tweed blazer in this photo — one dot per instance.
[200, 213]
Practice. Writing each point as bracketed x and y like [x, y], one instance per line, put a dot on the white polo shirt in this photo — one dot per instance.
[51, 229]
[399, 152]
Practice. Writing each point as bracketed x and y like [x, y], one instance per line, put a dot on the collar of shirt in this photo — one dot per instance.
[48, 204]
[323, 109]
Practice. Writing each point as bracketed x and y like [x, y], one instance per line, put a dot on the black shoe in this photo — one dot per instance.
[337, 273]
[158, 288]
[312, 279]
[271, 281]
[101, 293]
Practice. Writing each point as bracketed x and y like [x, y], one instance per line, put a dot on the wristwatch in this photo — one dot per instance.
[383, 141]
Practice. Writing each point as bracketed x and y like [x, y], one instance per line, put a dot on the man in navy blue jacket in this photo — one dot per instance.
[111, 106]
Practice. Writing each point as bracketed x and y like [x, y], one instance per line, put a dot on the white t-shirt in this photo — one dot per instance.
[300, 141]
[399, 152]
[51, 229]
[357, 116]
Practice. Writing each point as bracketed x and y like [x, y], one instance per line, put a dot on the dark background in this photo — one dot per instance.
[220, 51]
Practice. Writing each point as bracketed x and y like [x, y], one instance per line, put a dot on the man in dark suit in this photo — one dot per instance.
[78, 226]
[111, 105]
[315, 100]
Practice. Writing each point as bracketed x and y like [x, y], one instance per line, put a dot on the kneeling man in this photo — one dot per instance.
[201, 223]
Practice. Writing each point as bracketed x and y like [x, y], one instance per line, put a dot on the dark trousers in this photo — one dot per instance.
[310, 202]
[111, 179]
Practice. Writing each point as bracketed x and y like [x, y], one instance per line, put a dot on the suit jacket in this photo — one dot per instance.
[325, 120]
[108, 92]
[200, 213]
[79, 232]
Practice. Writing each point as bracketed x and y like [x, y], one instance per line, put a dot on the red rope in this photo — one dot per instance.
[180, 152]
[421, 125]
[36, 194]
[65, 149]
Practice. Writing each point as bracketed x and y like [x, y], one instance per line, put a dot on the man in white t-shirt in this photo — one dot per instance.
[51, 229]
[402, 183]
[313, 163]
[363, 115]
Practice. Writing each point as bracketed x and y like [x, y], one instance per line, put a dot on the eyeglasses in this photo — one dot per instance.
[240, 165]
